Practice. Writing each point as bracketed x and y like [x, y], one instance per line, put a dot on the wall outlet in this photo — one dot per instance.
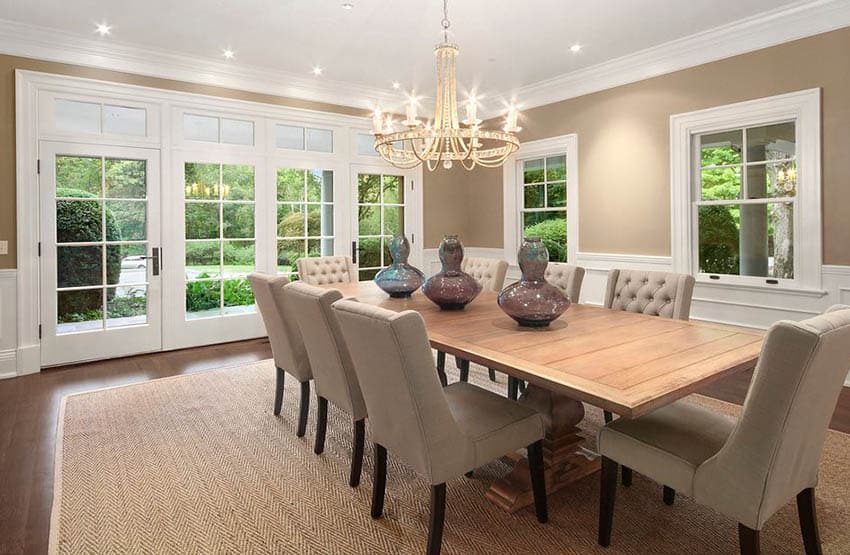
[4, 247]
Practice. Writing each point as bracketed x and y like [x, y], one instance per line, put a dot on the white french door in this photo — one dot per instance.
[100, 251]
[381, 206]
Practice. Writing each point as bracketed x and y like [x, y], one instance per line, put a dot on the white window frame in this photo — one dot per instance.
[512, 188]
[803, 107]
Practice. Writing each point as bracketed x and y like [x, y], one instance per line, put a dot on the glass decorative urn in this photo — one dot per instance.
[532, 301]
[451, 289]
[399, 279]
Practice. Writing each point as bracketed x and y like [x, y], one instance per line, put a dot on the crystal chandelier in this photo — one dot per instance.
[448, 139]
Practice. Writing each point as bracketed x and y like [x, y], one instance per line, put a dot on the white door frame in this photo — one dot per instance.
[108, 342]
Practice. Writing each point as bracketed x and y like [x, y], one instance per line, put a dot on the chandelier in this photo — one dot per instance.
[446, 140]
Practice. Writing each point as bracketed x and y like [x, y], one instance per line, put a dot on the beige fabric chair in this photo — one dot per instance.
[566, 277]
[333, 373]
[288, 350]
[325, 270]
[656, 293]
[441, 433]
[489, 272]
[749, 468]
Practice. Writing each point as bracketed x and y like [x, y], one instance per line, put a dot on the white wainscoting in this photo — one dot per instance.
[8, 324]
[755, 307]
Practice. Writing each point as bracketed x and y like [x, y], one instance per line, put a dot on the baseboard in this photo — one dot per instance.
[8, 363]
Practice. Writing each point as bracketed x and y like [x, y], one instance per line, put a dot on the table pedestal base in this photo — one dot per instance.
[564, 459]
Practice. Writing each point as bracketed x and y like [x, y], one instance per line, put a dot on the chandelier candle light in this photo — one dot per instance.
[448, 139]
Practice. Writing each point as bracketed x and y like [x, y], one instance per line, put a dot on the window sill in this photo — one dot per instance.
[785, 290]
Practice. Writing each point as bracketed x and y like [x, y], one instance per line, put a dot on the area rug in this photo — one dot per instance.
[199, 464]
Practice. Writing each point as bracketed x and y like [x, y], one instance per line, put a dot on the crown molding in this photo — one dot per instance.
[795, 21]
[42, 43]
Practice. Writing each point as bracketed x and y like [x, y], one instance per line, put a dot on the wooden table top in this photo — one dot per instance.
[623, 362]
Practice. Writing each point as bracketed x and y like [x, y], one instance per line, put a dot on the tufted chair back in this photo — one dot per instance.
[565, 277]
[655, 293]
[489, 272]
[325, 270]
[284, 336]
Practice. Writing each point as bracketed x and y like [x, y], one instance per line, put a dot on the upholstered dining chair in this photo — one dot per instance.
[566, 277]
[490, 273]
[440, 432]
[288, 350]
[749, 468]
[333, 373]
[325, 270]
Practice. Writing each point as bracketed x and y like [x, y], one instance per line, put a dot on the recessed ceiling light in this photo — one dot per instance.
[228, 53]
[575, 48]
[317, 70]
[347, 5]
[103, 29]
[396, 84]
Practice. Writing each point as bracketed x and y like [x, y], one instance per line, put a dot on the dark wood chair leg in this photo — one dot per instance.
[357, 452]
[513, 388]
[303, 409]
[321, 425]
[379, 480]
[608, 416]
[492, 374]
[669, 496]
[809, 521]
[521, 386]
[469, 474]
[444, 380]
[627, 476]
[278, 391]
[441, 361]
[438, 518]
[607, 496]
[538, 480]
[748, 540]
[463, 365]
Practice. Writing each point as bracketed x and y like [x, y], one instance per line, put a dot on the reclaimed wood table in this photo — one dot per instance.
[622, 362]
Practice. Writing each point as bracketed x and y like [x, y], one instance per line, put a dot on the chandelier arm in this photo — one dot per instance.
[470, 167]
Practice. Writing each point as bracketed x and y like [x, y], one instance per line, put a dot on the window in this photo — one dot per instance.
[746, 192]
[211, 129]
[305, 216]
[747, 185]
[304, 138]
[220, 245]
[380, 215]
[74, 116]
[544, 203]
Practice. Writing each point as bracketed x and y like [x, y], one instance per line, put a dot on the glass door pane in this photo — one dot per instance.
[380, 215]
[220, 239]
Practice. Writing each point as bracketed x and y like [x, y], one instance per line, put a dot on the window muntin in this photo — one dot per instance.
[220, 242]
[543, 211]
[746, 187]
[305, 216]
[293, 137]
[380, 215]
[213, 129]
[75, 116]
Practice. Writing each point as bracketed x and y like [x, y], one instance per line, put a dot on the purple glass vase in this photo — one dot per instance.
[532, 301]
[399, 279]
[451, 289]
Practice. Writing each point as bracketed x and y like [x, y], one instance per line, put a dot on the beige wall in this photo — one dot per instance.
[8, 65]
[623, 138]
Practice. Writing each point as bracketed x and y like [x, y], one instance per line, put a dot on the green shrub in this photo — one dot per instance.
[237, 292]
[202, 295]
[80, 221]
[554, 235]
[718, 241]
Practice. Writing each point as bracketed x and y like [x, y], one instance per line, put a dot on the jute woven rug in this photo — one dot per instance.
[198, 464]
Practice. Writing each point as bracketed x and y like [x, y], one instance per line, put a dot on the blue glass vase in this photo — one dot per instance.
[451, 289]
[532, 301]
[399, 279]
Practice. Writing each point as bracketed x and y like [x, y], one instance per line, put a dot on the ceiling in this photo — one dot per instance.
[504, 45]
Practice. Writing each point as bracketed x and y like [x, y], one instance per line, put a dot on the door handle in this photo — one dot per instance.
[354, 252]
[155, 257]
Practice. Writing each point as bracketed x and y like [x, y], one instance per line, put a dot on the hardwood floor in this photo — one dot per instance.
[29, 408]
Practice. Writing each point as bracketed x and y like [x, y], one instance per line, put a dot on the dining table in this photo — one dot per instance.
[623, 362]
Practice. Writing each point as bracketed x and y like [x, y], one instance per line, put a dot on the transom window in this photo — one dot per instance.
[544, 203]
[745, 201]
[305, 216]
